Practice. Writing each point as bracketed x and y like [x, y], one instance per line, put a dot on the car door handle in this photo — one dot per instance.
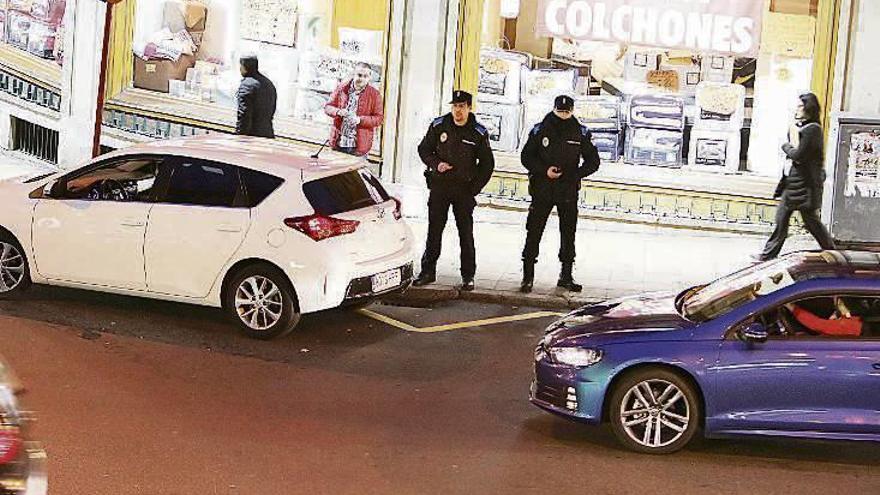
[877, 366]
[229, 228]
[132, 222]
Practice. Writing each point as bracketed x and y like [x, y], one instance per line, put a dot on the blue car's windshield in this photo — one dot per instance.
[732, 291]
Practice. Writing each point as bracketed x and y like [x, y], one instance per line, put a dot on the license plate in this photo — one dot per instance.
[386, 280]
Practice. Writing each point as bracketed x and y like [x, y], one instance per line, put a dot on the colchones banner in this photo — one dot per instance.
[721, 26]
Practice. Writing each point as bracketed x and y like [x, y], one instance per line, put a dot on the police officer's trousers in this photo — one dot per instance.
[539, 211]
[463, 204]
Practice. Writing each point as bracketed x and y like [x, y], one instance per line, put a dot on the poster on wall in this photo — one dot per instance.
[723, 26]
[270, 21]
[863, 175]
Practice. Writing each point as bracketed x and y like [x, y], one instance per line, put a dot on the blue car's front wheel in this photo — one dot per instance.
[655, 411]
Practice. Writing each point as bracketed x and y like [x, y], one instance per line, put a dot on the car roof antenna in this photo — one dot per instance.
[318, 153]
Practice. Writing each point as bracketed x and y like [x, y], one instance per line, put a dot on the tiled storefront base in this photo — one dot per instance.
[649, 205]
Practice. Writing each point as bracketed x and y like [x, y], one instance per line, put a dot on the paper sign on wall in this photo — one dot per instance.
[724, 26]
[271, 21]
[789, 34]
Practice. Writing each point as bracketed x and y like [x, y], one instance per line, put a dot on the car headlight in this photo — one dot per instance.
[575, 356]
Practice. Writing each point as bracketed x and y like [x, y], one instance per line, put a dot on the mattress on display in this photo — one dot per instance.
[504, 123]
[598, 112]
[501, 76]
[657, 111]
[657, 147]
[715, 149]
[608, 144]
[721, 106]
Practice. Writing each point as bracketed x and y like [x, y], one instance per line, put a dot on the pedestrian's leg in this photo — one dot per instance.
[780, 232]
[568, 217]
[438, 210]
[539, 211]
[568, 214]
[814, 226]
[463, 209]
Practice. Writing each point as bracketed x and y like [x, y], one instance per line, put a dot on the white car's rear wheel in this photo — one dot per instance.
[262, 302]
[15, 277]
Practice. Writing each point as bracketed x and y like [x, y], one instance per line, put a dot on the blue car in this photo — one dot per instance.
[789, 347]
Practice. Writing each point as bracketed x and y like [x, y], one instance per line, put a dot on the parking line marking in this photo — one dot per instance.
[388, 320]
[460, 325]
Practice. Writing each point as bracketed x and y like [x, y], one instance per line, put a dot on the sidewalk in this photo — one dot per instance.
[613, 259]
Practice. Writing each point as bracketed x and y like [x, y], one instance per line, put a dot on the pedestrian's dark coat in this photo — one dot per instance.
[465, 147]
[257, 98]
[802, 187]
[561, 143]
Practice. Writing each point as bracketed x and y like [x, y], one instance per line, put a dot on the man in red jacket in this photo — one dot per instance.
[356, 108]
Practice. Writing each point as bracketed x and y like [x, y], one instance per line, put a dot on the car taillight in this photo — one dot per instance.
[320, 227]
[10, 443]
[398, 208]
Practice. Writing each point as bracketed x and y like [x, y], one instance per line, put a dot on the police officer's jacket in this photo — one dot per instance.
[465, 147]
[563, 144]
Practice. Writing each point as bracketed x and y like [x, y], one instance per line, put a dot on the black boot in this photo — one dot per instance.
[425, 278]
[528, 280]
[566, 280]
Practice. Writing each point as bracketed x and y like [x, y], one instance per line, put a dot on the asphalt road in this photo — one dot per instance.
[146, 397]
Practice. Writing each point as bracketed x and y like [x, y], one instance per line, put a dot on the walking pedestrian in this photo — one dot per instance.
[558, 154]
[256, 99]
[800, 188]
[459, 165]
[356, 109]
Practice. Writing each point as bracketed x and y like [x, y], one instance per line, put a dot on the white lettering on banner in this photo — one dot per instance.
[726, 26]
[600, 26]
[551, 17]
[618, 28]
[644, 26]
[579, 20]
[672, 28]
[742, 32]
[699, 30]
[721, 33]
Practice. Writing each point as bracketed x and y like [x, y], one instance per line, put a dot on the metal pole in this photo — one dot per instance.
[102, 78]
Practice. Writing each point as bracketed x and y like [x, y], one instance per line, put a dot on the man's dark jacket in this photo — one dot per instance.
[465, 147]
[802, 187]
[562, 143]
[256, 106]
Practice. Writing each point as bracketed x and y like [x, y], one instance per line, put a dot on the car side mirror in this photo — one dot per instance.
[753, 333]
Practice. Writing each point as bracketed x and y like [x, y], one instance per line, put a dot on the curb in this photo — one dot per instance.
[433, 294]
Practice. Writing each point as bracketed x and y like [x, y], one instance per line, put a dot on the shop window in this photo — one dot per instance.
[34, 26]
[650, 105]
[34, 140]
[187, 53]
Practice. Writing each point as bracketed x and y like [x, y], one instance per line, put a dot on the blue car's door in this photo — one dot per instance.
[807, 385]
[798, 381]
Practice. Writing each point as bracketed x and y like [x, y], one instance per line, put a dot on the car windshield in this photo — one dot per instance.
[732, 291]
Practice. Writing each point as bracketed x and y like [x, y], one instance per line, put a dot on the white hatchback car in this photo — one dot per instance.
[261, 229]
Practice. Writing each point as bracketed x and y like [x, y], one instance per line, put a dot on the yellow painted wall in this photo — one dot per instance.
[467, 55]
[120, 58]
[526, 39]
[358, 14]
[825, 54]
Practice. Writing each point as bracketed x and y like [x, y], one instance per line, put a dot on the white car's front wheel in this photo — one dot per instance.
[262, 302]
[15, 277]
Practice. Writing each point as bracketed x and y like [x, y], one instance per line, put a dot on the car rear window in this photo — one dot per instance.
[345, 192]
[258, 185]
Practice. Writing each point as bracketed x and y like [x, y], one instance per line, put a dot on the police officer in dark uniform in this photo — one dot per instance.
[558, 154]
[459, 164]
